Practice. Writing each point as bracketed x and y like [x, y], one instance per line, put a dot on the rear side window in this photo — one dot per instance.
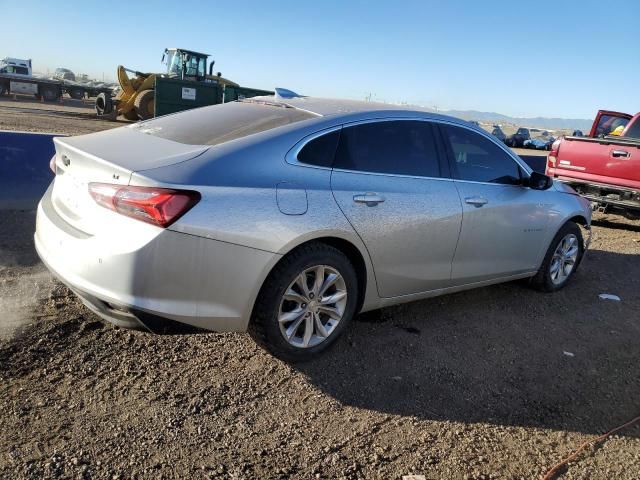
[608, 123]
[221, 123]
[321, 150]
[401, 147]
[478, 159]
[634, 130]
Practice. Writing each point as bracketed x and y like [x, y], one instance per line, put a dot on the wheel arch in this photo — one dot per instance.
[358, 257]
[575, 217]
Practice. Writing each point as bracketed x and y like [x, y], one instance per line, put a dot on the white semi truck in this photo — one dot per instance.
[16, 77]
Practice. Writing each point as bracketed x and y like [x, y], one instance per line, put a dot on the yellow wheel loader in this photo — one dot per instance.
[135, 99]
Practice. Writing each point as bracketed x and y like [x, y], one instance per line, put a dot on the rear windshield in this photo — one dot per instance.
[221, 123]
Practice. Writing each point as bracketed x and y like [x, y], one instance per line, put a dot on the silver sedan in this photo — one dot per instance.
[287, 216]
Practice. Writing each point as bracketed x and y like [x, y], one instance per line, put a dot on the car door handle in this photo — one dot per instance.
[369, 199]
[620, 154]
[476, 201]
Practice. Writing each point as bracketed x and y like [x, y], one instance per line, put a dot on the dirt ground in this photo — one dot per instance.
[496, 383]
[72, 117]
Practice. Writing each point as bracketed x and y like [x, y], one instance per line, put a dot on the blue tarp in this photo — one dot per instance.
[24, 168]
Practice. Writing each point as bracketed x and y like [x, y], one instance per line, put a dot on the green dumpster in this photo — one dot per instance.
[175, 95]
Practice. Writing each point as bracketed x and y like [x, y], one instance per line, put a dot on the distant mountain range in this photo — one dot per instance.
[539, 122]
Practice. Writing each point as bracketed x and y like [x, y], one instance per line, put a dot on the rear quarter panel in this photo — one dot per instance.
[239, 182]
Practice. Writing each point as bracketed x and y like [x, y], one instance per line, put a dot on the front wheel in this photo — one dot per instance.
[144, 104]
[305, 303]
[562, 259]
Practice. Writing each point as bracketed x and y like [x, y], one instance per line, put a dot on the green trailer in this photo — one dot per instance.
[174, 95]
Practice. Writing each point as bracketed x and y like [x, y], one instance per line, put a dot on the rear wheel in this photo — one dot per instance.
[144, 104]
[49, 94]
[76, 93]
[306, 303]
[562, 259]
[104, 106]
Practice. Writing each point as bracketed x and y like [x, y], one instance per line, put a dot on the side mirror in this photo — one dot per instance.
[539, 181]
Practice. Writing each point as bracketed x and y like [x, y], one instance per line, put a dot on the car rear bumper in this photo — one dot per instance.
[169, 283]
[613, 195]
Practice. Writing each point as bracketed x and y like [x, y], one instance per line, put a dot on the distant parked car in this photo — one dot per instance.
[498, 133]
[577, 133]
[539, 143]
[474, 122]
[518, 138]
[64, 74]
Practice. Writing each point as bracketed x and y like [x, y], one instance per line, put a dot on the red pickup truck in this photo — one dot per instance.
[604, 166]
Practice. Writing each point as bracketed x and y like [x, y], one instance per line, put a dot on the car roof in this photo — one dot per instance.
[333, 107]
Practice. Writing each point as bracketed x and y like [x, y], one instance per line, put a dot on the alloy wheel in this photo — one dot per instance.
[312, 306]
[564, 259]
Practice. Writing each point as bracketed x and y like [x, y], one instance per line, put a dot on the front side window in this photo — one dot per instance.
[195, 67]
[400, 147]
[478, 159]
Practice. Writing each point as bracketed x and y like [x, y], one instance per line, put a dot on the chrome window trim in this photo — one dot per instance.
[292, 155]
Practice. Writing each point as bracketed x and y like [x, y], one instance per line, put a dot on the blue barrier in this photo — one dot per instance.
[24, 168]
[25, 174]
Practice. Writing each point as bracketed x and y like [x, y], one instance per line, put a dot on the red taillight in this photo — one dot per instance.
[552, 158]
[158, 206]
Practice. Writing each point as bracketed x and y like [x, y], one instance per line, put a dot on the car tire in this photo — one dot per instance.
[561, 261]
[144, 104]
[49, 94]
[76, 93]
[284, 310]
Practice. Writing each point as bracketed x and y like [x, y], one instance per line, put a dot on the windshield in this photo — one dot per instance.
[217, 124]
[194, 66]
[174, 63]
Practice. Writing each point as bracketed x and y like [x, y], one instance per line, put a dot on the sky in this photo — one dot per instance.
[525, 59]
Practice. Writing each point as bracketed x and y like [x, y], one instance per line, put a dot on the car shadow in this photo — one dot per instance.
[504, 355]
[615, 222]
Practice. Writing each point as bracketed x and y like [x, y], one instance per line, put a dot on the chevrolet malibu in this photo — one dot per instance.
[286, 216]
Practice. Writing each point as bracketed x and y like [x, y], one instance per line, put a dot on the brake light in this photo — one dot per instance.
[553, 154]
[158, 206]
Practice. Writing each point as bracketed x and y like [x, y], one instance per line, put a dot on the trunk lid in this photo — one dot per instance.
[107, 157]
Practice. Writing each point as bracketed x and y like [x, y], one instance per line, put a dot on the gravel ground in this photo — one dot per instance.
[472, 385]
[500, 382]
[72, 117]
